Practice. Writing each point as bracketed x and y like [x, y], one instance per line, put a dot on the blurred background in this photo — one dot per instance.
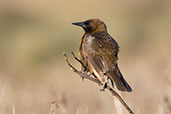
[35, 79]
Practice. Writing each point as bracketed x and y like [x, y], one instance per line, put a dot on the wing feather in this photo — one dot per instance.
[102, 57]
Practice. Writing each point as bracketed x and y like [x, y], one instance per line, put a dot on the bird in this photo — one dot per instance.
[99, 53]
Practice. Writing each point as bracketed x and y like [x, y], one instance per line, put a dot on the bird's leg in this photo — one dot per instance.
[105, 84]
[86, 65]
[112, 91]
[85, 68]
[108, 78]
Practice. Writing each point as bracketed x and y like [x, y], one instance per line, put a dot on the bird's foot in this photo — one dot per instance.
[82, 79]
[110, 80]
[104, 86]
[85, 70]
[87, 73]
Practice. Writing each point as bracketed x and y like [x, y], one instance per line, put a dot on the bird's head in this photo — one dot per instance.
[92, 25]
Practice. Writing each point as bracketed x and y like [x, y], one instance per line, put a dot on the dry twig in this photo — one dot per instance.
[88, 76]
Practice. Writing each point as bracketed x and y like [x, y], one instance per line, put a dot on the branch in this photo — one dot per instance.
[88, 76]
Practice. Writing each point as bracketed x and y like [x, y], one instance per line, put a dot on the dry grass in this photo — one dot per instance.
[33, 73]
[74, 96]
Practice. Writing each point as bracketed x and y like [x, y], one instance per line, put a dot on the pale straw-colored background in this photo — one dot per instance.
[33, 72]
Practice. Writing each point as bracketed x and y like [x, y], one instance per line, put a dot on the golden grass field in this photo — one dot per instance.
[35, 79]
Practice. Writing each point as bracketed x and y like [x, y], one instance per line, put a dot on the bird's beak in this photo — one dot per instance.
[81, 24]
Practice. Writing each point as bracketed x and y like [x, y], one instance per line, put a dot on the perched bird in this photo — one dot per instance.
[99, 53]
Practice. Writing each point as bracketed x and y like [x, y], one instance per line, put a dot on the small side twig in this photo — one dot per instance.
[82, 74]
[87, 76]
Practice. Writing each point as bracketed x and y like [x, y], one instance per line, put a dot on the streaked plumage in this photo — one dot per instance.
[100, 51]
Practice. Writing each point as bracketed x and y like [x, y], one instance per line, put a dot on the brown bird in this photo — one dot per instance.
[99, 53]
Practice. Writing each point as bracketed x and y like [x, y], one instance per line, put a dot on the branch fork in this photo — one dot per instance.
[86, 75]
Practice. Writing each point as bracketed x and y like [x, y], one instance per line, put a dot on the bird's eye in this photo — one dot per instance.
[86, 22]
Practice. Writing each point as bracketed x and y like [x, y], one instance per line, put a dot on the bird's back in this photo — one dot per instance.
[100, 51]
[100, 44]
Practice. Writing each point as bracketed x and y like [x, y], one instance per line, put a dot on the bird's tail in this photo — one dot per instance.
[118, 79]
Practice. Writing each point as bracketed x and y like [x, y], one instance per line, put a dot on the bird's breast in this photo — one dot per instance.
[88, 43]
[89, 39]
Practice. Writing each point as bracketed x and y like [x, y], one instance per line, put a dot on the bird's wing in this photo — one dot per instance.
[96, 65]
[105, 60]
[104, 55]
[118, 79]
[107, 48]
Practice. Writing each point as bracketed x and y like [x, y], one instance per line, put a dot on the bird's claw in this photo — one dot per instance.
[104, 87]
[82, 79]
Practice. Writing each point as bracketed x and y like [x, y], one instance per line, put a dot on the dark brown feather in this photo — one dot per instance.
[119, 80]
[100, 51]
[102, 57]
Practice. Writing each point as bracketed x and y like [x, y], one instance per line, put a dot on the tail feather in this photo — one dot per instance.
[118, 79]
